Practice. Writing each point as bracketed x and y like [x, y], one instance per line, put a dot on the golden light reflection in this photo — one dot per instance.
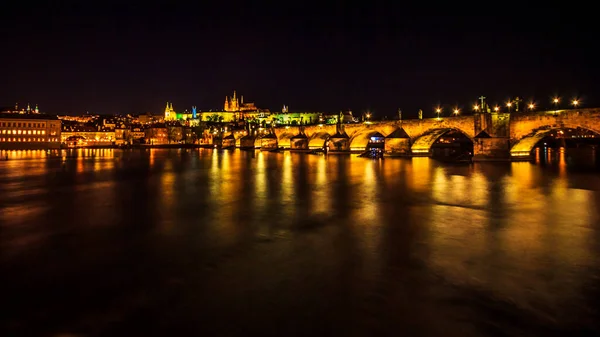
[522, 174]
[562, 163]
[287, 182]
[321, 200]
[439, 186]
[227, 187]
[151, 158]
[260, 185]
[479, 189]
[420, 171]
[167, 191]
[80, 167]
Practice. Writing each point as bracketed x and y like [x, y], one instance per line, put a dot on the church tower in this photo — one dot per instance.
[167, 112]
[226, 106]
[235, 104]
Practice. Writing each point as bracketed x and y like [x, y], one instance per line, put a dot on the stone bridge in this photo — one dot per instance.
[495, 136]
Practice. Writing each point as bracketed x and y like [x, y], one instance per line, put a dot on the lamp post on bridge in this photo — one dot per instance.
[438, 111]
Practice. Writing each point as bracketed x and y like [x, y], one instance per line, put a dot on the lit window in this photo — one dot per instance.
[19, 132]
[43, 132]
[14, 132]
[28, 132]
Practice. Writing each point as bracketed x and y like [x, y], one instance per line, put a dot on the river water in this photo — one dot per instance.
[233, 243]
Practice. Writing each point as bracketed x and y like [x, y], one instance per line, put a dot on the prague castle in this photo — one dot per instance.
[234, 104]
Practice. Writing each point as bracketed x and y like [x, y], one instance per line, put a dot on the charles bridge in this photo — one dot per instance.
[495, 136]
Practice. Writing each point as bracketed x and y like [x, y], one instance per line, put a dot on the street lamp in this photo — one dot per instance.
[555, 101]
[496, 108]
[575, 102]
[531, 106]
[438, 111]
[476, 107]
[368, 116]
[509, 105]
[456, 111]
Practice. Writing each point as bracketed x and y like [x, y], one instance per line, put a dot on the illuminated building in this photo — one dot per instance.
[79, 119]
[90, 136]
[170, 113]
[27, 110]
[29, 131]
[233, 104]
[136, 133]
[148, 118]
[160, 134]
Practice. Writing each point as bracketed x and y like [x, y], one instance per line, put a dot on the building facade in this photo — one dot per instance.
[29, 131]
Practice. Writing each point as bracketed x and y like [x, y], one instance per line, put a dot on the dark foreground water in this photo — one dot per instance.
[203, 243]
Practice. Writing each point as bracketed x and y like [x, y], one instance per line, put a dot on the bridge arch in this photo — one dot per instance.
[524, 146]
[284, 139]
[318, 140]
[360, 141]
[422, 145]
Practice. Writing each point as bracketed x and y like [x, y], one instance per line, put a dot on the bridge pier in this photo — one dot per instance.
[268, 142]
[340, 142]
[397, 143]
[248, 142]
[491, 149]
[299, 142]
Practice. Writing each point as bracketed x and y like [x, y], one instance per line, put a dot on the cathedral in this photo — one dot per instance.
[170, 113]
[234, 104]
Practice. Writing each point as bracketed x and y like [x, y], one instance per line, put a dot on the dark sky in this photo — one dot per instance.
[326, 56]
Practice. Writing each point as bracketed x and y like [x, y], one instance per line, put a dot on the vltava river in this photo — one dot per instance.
[208, 243]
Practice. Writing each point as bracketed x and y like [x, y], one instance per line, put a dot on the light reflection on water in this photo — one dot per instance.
[294, 225]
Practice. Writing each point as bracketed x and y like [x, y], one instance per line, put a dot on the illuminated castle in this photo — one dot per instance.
[234, 104]
[169, 112]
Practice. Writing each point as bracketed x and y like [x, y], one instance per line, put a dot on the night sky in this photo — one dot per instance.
[105, 58]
